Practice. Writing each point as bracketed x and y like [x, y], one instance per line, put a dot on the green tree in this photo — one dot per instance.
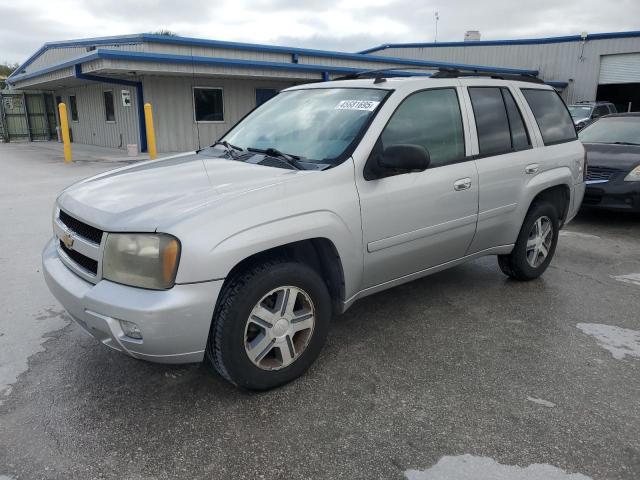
[6, 68]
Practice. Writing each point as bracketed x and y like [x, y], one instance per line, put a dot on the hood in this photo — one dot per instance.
[620, 157]
[142, 196]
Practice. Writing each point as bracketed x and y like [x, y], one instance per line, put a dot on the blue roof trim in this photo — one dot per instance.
[523, 41]
[557, 84]
[241, 63]
[187, 59]
[58, 66]
[117, 40]
[199, 42]
[148, 37]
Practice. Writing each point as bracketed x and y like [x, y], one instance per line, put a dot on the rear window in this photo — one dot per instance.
[551, 114]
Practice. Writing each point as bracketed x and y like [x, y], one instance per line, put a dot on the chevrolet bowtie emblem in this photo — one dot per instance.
[67, 239]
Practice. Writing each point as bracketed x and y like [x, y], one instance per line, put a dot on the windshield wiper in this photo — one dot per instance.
[272, 152]
[228, 146]
[624, 143]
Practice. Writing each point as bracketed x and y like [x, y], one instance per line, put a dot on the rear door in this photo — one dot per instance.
[422, 219]
[504, 158]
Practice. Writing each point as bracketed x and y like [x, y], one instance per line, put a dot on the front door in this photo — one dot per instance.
[414, 221]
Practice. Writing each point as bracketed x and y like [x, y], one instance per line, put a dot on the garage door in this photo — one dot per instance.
[621, 68]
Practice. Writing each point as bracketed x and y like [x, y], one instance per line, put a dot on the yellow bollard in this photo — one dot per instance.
[64, 125]
[151, 133]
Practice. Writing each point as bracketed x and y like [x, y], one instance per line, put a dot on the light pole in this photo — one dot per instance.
[437, 17]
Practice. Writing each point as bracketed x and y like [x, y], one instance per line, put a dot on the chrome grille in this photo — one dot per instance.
[599, 173]
[79, 246]
[80, 228]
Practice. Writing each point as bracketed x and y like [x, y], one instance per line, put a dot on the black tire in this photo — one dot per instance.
[226, 344]
[515, 265]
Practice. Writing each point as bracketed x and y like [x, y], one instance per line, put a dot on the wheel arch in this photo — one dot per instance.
[319, 253]
[553, 186]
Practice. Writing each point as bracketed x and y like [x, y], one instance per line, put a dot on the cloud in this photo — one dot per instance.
[329, 24]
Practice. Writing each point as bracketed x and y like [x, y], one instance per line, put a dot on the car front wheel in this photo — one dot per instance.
[270, 325]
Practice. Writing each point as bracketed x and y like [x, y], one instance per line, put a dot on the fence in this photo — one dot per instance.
[27, 116]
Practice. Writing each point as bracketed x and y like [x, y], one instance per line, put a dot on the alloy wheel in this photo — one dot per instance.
[539, 241]
[279, 328]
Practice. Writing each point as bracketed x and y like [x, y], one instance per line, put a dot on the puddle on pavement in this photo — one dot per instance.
[569, 233]
[485, 468]
[619, 341]
[541, 401]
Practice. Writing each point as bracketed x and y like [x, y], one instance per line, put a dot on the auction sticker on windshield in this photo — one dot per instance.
[368, 105]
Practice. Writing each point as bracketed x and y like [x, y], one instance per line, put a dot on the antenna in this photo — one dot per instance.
[437, 17]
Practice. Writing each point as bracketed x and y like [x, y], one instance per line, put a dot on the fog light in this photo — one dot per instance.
[130, 329]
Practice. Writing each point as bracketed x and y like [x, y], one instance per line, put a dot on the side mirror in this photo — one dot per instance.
[404, 158]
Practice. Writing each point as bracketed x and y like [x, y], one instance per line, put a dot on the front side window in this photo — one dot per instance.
[73, 107]
[319, 124]
[432, 119]
[109, 106]
[208, 104]
[551, 114]
[600, 110]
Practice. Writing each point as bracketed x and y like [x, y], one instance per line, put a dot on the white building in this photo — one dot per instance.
[586, 67]
[198, 88]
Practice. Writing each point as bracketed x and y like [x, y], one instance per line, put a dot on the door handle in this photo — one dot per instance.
[462, 184]
[531, 169]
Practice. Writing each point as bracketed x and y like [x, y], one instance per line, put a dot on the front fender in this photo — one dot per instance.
[235, 248]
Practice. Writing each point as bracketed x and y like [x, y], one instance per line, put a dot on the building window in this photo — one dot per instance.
[109, 106]
[207, 104]
[73, 108]
[264, 94]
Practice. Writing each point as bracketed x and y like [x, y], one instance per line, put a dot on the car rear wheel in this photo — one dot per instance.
[535, 246]
[270, 325]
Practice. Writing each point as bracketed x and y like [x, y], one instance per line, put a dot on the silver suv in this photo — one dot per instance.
[239, 254]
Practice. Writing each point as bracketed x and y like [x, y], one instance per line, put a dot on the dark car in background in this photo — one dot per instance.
[583, 113]
[613, 157]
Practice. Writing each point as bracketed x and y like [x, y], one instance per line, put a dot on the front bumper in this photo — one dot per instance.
[577, 194]
[617, 195]
[174, 323]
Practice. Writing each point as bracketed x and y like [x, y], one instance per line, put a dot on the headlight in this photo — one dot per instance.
[141, 260]
[634, 175]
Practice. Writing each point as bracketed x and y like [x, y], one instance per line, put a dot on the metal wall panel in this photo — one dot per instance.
[172, 100]
[621, 68]
[58, 55]
[92, 127]
[570, 62]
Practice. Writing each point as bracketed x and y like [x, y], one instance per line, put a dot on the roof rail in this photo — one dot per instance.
[381, 73]
[458, 73]
[440, 72]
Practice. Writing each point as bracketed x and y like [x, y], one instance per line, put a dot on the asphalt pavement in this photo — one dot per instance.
[464, 374]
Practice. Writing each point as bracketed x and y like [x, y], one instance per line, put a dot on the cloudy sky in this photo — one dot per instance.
[329, 24]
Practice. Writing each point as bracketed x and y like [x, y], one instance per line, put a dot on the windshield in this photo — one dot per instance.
[579, 111]
[613, 130]
[314, 124]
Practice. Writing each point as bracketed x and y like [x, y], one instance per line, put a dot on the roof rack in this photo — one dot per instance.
[442, 72]
[458, 73]
[379, 74]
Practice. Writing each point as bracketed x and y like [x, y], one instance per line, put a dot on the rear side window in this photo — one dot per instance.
[432, 119]
[551, 115]
[519, 135]
[492, 123]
